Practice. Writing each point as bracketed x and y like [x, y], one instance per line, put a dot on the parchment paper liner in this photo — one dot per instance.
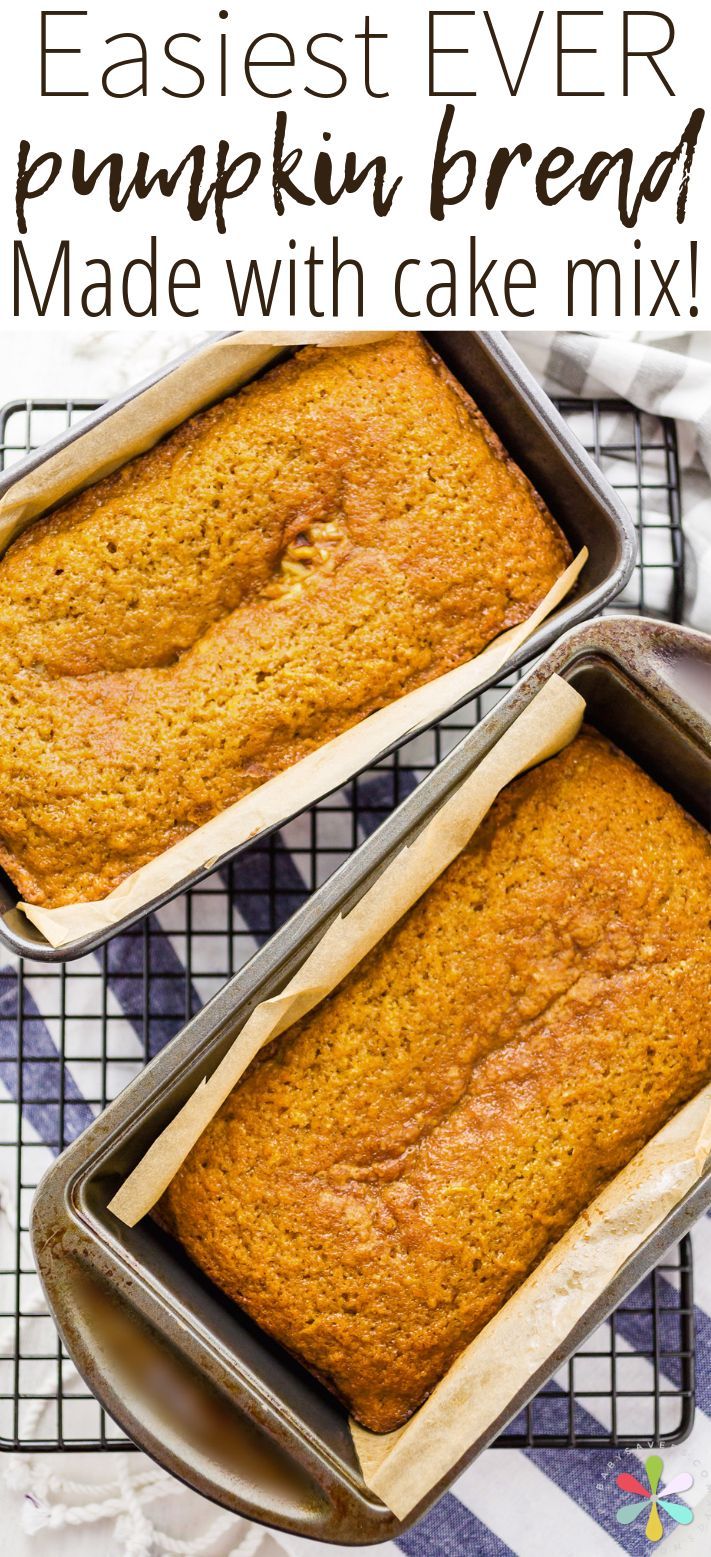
[221, 367]
[403, 1466]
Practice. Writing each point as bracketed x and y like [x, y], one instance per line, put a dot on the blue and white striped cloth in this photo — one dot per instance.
[526, 1502]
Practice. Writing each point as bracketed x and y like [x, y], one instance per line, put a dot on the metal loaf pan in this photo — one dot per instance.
[185, 1373]
[577, 494]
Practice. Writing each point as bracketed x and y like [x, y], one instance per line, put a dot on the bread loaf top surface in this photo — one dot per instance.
[393, 1167]
[333, 535]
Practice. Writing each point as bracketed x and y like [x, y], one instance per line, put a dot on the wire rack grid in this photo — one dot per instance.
[71, 1037]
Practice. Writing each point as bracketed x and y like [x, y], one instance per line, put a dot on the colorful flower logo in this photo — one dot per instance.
[650, 1500]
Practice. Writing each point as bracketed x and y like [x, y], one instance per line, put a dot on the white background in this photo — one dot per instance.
[402, 125]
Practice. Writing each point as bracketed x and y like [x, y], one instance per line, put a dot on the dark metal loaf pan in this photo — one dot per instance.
[183, 1370]
[576, 492]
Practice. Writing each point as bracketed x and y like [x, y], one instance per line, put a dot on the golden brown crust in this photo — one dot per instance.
[491, 438]
[337, 533]
[387, 1175]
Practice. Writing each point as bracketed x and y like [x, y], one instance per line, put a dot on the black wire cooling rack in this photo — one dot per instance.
[71, 1037]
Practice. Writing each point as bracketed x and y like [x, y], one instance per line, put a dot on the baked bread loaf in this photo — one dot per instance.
[337, 533]
[394, 1166]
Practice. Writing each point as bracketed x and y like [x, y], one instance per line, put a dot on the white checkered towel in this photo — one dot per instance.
[667, 375]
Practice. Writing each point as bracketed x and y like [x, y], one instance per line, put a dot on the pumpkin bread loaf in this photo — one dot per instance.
[338, 532]
[395, 1165]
